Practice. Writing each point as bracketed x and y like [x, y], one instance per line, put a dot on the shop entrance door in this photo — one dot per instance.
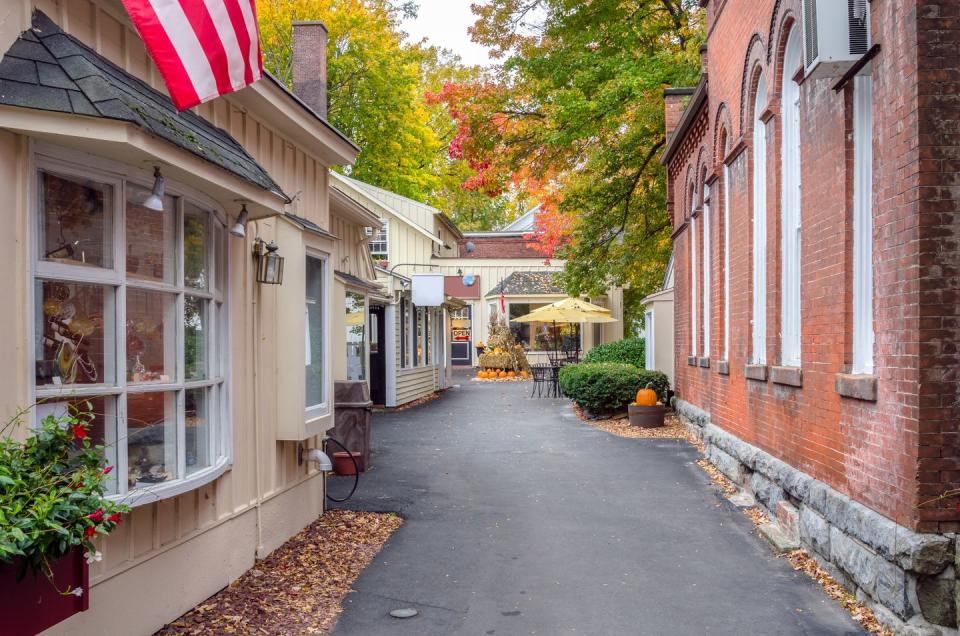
[378, 356]
[461, 337]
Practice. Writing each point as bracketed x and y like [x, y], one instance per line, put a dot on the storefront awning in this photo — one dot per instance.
[54, 87]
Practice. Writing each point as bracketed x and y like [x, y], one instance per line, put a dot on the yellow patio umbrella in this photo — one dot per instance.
[568, 310]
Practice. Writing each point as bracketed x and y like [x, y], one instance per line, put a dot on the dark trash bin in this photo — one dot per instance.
[351, 427]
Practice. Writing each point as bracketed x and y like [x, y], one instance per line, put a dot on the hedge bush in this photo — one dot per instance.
[626, 351]
[607, 387]
[600, 388]
[658, 382]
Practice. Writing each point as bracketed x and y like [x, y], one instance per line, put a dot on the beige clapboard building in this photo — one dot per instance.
[205, 382]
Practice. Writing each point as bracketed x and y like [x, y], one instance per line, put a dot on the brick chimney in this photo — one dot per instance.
[310, 64]
[674, 102]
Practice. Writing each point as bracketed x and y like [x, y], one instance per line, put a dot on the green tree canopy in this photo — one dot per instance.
[577, 111]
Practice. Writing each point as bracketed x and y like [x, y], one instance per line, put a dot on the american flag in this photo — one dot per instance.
[202, 48]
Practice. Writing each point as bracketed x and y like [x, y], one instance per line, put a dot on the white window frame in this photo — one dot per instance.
[706, 270]
[380, 235]
[726, 260]
[863, 329]
[321, 410]
[694, 282]
[59, 160]
[366, 332]
[790, 223]
[649, 329]
[759, 312]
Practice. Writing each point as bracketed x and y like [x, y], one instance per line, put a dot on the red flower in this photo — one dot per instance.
[108, 470]
[96, 516]
[79, 431]
[114, 518]
[90, 531]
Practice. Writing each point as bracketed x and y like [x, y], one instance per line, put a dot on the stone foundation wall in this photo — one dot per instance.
[909, 579]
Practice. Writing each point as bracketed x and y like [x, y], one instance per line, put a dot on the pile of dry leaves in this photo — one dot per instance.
[299, 587]
[805, 563]
[620, 426]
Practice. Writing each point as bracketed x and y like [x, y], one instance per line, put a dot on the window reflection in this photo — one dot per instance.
[76, 220]
[356, 347]
[71, 321]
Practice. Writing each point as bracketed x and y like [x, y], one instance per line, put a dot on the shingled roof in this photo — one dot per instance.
[48, 69]
[527, 284]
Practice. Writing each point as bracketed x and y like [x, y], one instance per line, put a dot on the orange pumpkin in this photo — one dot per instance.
[646, 397]
[524, 374]
[511, 374]
[503, 374]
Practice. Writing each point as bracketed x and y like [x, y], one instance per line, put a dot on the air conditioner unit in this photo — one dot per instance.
[836, 33]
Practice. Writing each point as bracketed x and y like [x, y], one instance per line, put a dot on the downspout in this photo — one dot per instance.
[255, 309]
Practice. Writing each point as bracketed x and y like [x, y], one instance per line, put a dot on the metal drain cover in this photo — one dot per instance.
[404, 612]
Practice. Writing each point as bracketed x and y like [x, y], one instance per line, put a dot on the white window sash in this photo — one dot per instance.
[706, 271]
[863, 330]
[726, 262]
[759, 319]
[694, 281]
[790, 316]
[218, 457]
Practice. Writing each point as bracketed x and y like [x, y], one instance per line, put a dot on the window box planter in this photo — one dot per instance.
[32, 604]
[646, 416]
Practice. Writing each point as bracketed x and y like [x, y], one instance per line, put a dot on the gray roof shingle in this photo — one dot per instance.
[48, 69]
[527, 284]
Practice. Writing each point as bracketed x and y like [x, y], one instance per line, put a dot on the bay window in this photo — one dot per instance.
[542, 336]
[128, 313]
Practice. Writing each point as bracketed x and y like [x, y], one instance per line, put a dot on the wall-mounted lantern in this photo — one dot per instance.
[269, 263]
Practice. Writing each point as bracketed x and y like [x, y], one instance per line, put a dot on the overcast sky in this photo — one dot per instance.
[444, 23]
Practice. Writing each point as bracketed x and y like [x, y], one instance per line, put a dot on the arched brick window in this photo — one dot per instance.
[759, 312]
[790, 227]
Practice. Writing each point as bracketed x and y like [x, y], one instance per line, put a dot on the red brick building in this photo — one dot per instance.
[817, 254]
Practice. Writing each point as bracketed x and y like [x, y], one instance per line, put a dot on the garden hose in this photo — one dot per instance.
[356, 472]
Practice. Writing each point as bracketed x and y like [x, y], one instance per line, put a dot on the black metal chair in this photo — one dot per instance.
[542, 374]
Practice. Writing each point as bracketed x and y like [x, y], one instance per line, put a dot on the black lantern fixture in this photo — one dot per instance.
[269, 263]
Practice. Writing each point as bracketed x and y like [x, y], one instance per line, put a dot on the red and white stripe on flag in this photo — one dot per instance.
[202, 48]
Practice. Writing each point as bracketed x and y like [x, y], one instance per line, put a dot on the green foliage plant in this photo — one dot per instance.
[52, 487]
[628, 351]
[656, 380]
[600, 388]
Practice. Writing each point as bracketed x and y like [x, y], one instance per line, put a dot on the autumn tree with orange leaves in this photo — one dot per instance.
[575, 115]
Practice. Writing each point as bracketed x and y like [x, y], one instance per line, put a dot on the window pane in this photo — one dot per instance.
[418, 334]
[151, 346]
[76, 221]
[374, 333]
[356, 349]
[404, 333]
[314, 333]
[151, 438]
[195, 237]
[194, 338]
[103, 427]
[75, 334]
[197, 429]
[150, 237]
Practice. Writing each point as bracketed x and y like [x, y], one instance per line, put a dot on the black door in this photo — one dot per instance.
[378, 358]
[461, 337]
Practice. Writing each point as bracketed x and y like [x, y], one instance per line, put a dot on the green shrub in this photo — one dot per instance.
[626, 351]
[658, 382]
[600, 388]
